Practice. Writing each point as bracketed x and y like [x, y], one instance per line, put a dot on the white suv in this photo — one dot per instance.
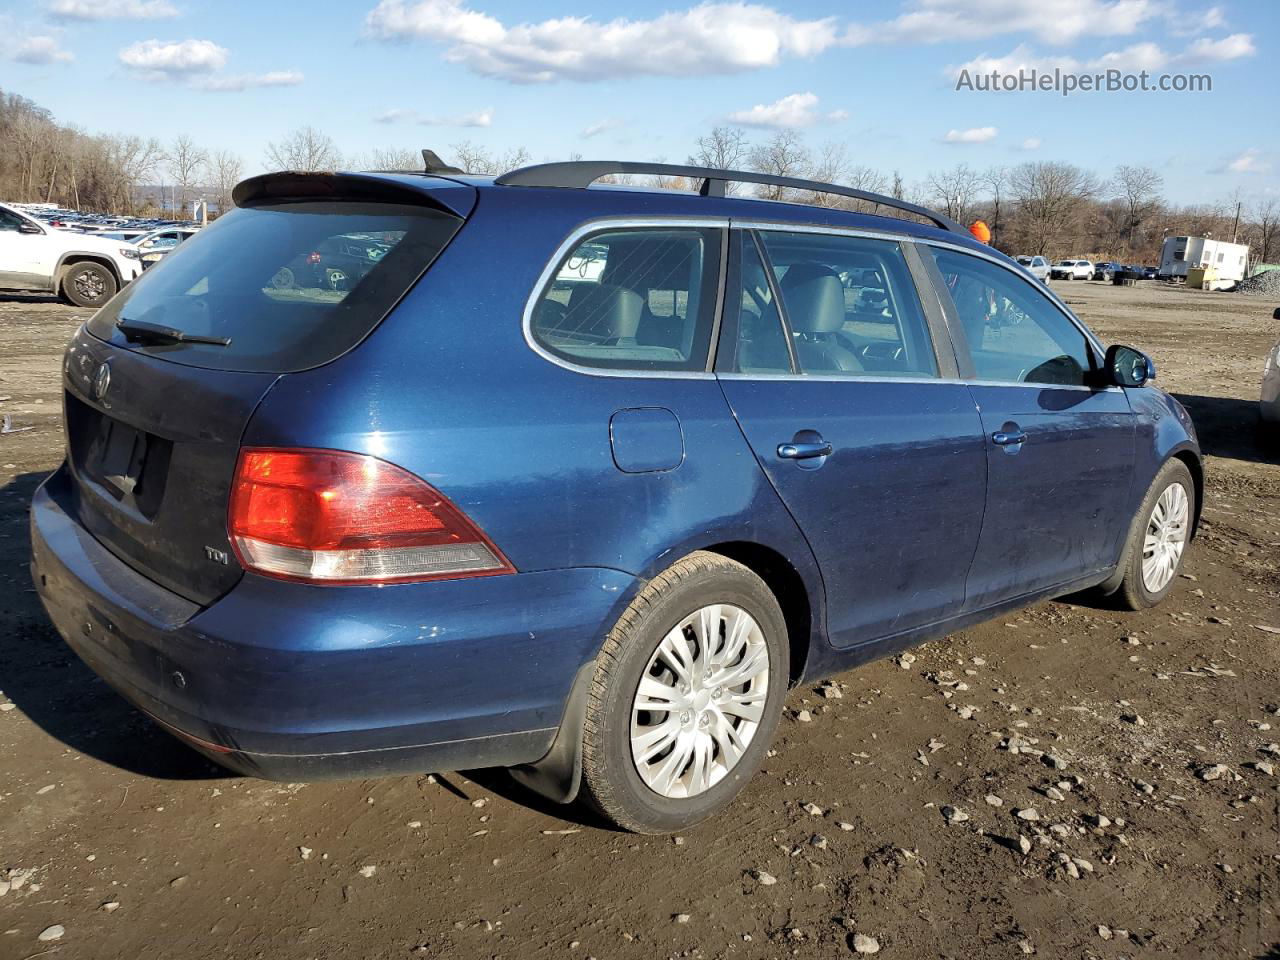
[1073, 270]
[85, 269]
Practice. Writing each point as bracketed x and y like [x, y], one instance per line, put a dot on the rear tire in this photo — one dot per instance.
[1155, 531]
[88, 284]
[655, 770]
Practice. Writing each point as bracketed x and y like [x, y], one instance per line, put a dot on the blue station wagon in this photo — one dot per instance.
[574, 478]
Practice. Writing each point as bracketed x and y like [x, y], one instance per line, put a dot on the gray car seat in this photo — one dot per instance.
[814, 297]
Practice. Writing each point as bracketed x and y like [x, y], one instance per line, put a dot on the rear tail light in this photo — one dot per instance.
[326, 516]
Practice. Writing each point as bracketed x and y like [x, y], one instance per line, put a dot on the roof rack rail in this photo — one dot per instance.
[582, 173]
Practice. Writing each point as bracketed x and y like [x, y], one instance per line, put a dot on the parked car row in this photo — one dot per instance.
[1106, 270]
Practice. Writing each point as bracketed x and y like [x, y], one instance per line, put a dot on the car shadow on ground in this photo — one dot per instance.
[33, 298]
[53, 688]
[1230, 427]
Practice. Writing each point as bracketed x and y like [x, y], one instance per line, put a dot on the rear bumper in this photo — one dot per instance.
[289, 681]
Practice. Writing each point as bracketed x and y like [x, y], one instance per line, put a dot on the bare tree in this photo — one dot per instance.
[782, 155]
[227, 171]
[994, 179]
[955, 190]
[127, 163]
[474, 158]
[390, 158]
[830, 166]
[305, 149]
[1138, 190]
[1267, 216]
[1050, 198]
[724, 148]
[186, 163]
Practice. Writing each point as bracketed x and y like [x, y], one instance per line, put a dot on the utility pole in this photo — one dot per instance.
[1235, 227]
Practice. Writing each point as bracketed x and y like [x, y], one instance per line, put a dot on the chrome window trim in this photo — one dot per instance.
[571, 241]
[952, 381]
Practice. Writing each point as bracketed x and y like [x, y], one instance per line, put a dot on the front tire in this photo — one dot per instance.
[88, 284]
[1158, 538]
[687, 694]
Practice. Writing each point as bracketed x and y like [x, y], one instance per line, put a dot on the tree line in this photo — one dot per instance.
[1049, 208]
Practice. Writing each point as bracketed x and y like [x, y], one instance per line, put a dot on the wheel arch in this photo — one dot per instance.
[72, 257]
[788, 588]
[1195, 466]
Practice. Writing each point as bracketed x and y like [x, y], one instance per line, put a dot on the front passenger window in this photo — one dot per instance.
[1016, 334]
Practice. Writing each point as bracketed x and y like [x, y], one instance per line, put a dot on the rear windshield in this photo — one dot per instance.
[291, 285]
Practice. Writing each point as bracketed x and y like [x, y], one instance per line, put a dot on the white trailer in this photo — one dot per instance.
[1180, 254]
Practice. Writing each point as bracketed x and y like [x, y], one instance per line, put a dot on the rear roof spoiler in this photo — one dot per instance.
[449, 196]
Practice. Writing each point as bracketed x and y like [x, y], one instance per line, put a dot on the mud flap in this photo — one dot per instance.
[558, 775]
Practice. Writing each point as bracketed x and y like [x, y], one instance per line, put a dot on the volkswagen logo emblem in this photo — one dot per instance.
[101, 381]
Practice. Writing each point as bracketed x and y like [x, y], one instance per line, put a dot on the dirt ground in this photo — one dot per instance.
[140, 849]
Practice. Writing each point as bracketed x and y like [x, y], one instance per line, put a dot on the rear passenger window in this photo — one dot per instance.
[641, 299]
[1016, 334]
[851, 306]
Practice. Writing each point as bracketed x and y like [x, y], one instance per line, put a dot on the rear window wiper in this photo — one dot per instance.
[140, 331]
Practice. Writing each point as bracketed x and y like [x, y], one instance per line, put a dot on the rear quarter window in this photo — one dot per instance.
[641, 299]
[291, 285]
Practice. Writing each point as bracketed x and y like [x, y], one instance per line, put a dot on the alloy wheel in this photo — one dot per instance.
[89, 285]
[700, 701]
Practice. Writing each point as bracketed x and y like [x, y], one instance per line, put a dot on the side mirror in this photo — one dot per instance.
[1127, 367]
[28, 227]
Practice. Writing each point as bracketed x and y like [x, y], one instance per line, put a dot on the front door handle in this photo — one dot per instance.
[1008, 438]
[804, 451]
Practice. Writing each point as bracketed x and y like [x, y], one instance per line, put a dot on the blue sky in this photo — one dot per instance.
[636, 81]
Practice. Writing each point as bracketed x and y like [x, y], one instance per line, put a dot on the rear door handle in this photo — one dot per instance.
[804, 451]
[1007, 438]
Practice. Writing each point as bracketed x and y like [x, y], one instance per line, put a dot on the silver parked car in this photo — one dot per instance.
[1038, 267]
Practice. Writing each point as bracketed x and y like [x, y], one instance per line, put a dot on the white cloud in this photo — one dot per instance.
[234, 83]
[481, 118]
[1020, 58]
[794, 110]
[188, 56]
[710, 38]
[112, 9]
[1228, 48]
[1031, 143]
[1052, 21]
[603, 126]
[40, 50]
[1182, 25]
[1140, 56]
[972, 135]
[1250, 161]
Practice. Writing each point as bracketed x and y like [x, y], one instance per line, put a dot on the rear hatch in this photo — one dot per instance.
[162, 382]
